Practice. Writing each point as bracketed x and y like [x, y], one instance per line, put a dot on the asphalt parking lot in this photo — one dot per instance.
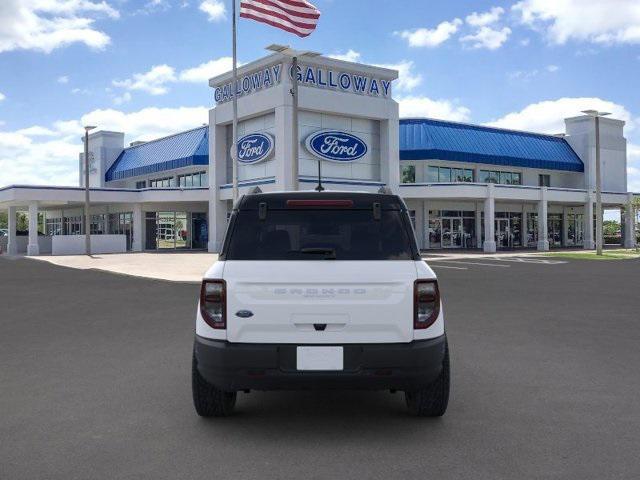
[95, 383]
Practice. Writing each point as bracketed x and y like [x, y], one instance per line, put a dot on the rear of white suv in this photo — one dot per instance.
[320, 290]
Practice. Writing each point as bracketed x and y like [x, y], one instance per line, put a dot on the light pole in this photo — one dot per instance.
[295, 143]
[596, 114]
[87, 217]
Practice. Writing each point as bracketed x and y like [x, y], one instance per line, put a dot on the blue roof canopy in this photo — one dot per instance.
[427, 139]
[183, 149]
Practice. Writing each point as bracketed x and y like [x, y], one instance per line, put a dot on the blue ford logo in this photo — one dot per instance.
[255, 147]
[336, 146]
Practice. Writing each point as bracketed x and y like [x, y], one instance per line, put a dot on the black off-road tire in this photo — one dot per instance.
[207, 399]
[432, 400]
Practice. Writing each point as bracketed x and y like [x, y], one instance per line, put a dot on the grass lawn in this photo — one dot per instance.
[618, 254]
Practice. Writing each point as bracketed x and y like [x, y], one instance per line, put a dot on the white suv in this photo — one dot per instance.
[320, 290]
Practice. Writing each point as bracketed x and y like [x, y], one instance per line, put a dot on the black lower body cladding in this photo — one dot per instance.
[247, 366]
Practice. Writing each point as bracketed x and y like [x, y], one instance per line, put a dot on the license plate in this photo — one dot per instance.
[320, 358]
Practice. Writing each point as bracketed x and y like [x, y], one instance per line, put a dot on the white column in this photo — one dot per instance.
[543, 240]
[589, 242]
[32, 246]
[283, 140]
[390, 151]
[629, 224]
[218, 176]
[12, 246]
[138, 219]
[425, 224]
[478, 226]
[489, 245]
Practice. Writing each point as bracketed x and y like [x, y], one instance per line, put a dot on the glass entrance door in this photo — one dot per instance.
[504, 237]
[451, 232]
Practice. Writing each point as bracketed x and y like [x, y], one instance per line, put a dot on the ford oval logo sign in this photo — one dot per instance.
[336, 146]
[255, 148]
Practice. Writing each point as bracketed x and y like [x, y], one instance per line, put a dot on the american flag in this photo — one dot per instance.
[294, 16]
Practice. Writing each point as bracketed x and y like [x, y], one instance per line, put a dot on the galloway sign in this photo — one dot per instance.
[248, 84]
[336, 146]
[328, 78]
[255, 147]
[308, 76]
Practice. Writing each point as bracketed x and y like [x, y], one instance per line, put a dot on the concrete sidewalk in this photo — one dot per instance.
[175, 267]
[191, 266]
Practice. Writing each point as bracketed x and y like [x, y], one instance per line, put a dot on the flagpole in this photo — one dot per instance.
[294, 126]
[234, 146]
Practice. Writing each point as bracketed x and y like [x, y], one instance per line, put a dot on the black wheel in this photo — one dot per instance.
[207, 399]
[432, 400]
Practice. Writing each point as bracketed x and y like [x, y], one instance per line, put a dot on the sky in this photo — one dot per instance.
[141, 66]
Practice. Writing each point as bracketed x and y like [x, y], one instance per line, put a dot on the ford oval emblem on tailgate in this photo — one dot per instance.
[244, 313]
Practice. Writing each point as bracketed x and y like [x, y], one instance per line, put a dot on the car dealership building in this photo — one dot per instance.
[467, 186]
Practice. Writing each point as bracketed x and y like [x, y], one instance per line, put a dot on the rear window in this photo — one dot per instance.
[320, 235]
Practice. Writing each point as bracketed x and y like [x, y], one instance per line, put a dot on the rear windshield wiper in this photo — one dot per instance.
[330, 253]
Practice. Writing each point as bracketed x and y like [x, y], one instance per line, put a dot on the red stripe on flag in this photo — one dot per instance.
[274, 24]
[296, 16]
[273, 13]
[293, 13]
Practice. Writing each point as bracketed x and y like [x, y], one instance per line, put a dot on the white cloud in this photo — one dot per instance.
[154, 81]
[2, 96]
[214, 9]
[45, 25]
[124, 98]
[349, 56]
[525, 42]
[596, 21]
[548, 116]
[486, 18]
[424, 37]
[157, 80]
[203, 72]
[526, 75]
[420, 106]
[407, 78]
[48, 155]
[63, 79]
[487, 37]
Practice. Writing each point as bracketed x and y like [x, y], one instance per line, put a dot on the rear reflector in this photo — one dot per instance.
[320, 203]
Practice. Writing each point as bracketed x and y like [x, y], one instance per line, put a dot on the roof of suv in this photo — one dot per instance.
[361, 200]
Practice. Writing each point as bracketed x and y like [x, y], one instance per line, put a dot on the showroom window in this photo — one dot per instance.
[448, 174]
[190, 180]
[503, 178]
[162, 182]
[544, 180]
[408, 174]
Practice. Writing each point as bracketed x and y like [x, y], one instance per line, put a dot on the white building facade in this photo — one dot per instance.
[466, 186]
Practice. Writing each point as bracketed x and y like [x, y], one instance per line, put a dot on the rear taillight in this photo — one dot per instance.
[213, 295]
[426, 303]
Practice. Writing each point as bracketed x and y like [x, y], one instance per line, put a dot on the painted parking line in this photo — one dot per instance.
[541, 261]
[434, 265]
[457, 262]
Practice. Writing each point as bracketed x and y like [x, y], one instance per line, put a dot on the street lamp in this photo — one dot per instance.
[87, 217]
[294, 54]
[596, 114]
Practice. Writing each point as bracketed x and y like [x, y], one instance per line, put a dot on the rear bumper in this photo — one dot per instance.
[243, 366]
